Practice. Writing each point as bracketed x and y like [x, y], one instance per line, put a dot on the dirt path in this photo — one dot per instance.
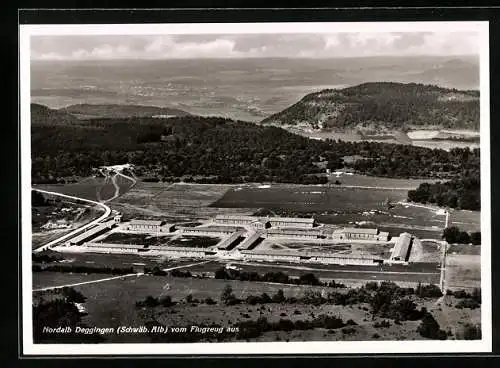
[133, 180]
[117, 188]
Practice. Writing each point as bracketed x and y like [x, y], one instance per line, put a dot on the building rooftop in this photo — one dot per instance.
[237, 217]
[265, 219]
[402, 246]
[114, 245]
[360, 230]
[89, 233]
[292, 219]
[179, 249]
[294, 231]
[215, 228]
[146, 222]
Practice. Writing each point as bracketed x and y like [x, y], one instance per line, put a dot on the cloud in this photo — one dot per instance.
[252, 45]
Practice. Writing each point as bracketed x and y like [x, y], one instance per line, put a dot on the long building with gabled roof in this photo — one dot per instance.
[266, 222]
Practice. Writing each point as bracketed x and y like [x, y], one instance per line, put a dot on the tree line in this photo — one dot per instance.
[461, 193]
[453, 235]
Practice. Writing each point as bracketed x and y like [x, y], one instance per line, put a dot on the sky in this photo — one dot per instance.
[194, 46]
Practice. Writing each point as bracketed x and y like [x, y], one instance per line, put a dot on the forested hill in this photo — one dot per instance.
[383, 105]
[217, 150]
[42, 115]
[70, 115]
[120, 111]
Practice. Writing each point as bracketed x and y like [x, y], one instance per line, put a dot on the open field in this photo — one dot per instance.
[466, 220]
[92, 188]
[425, 251]
[163, 240]
[303, 198]
[447, 145]
[463, 249]
[131, 238]
[463, 271]
[354, 249]
[137, 261]
[463, 267]
[173, 202]
[47, 279]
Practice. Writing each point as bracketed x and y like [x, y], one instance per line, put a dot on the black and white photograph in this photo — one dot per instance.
[252, 188]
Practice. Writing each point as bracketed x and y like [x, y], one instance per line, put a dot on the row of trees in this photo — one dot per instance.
[275, 277]
[453, 235]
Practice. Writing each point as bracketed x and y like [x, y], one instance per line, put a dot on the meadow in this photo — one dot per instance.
[50, 279]
[172, 202]
[128, 238]
[93, 188]
[114, 305]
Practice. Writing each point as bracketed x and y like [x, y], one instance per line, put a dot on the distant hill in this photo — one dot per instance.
[449, 73]
[43, 115]
[121, 111]
[380, 106]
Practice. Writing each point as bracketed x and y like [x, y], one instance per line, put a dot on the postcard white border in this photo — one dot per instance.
[249, 348]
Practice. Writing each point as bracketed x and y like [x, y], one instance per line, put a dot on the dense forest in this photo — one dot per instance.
[392, 105]
[217, 150]
[463, 193]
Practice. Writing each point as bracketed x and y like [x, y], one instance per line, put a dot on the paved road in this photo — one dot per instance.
[115, 277]
[107, 212]
[374, 187]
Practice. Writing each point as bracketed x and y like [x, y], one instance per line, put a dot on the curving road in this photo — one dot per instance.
[107, 212]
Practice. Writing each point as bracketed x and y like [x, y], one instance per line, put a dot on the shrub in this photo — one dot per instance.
[428, 291]
[279, 297]
[348, 330]
[430, 328]
[467, 303]
[383, 324]
[166, 301]
[227, 297]
[472, 332]
[371, 286]
[72, 295]
[210, 301]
